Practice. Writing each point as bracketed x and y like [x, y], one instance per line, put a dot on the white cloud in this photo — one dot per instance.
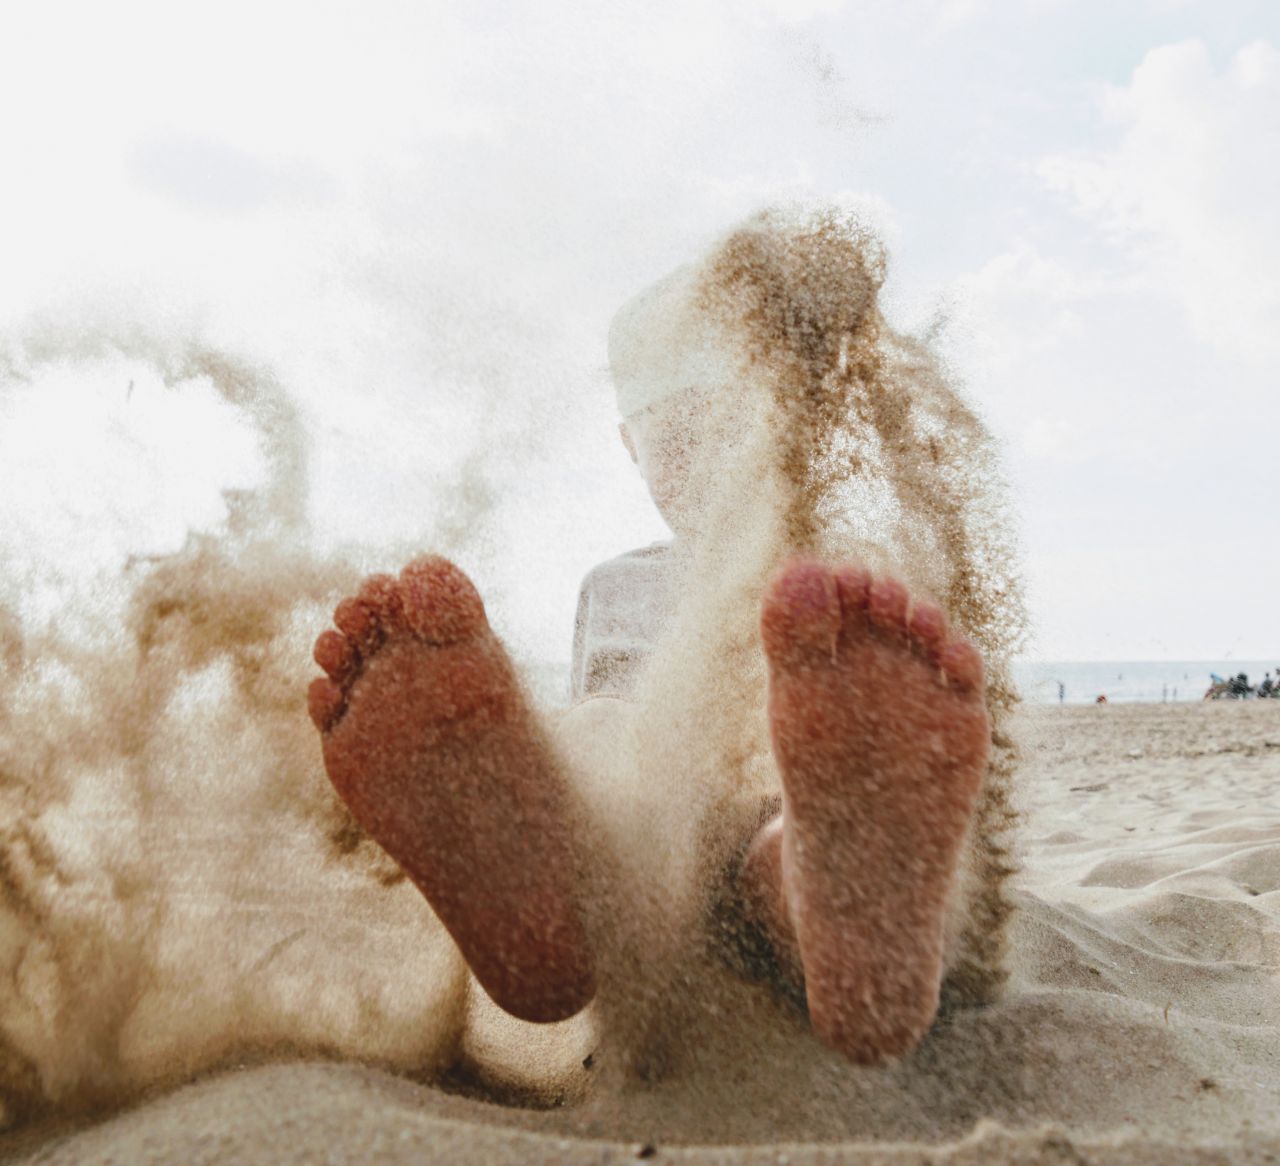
[1189, 188]
[1027, 303]
[797, 11]
[1127, 351]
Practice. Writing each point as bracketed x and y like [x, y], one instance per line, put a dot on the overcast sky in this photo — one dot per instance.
[423, 215]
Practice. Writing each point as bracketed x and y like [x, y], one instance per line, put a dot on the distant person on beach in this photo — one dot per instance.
[1266, 688]
[876, 712]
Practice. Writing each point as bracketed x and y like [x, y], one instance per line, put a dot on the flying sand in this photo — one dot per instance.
[875, 712]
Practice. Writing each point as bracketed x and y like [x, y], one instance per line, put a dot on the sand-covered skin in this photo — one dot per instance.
[429, 741]
[1142, 1022]
[881, 738]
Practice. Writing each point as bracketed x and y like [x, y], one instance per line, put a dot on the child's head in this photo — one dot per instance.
[675, 370]
[777, 321]
[678, 443]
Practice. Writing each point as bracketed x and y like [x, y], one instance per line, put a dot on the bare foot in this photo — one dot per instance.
[881, 736]
[429, 741]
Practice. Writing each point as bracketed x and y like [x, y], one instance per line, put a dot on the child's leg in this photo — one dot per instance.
[881, 737]
[428, 739]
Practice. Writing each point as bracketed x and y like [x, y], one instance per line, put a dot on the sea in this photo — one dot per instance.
[1083, 681]
[1045, 681]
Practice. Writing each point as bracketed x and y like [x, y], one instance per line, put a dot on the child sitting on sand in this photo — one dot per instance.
[876, 718]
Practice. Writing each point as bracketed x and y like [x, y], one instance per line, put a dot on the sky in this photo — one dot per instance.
[421, 217]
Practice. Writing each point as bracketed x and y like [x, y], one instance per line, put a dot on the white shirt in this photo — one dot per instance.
[623, 608]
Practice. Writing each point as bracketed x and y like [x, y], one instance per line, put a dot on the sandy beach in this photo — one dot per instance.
[629, 509]
[1140, 1023]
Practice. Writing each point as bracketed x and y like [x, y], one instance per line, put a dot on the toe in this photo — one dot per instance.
[336, 654]
[357, 620]
[962, 664]
[853, 583]
[801, 613]
[440, 603]
[381, 596]
[324, 703]
[928, 627]
[887, 602]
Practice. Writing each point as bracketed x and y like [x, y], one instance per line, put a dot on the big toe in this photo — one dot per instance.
[800, 616]
[440, 604]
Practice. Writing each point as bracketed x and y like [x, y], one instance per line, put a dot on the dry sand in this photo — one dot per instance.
[1142, 1022]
